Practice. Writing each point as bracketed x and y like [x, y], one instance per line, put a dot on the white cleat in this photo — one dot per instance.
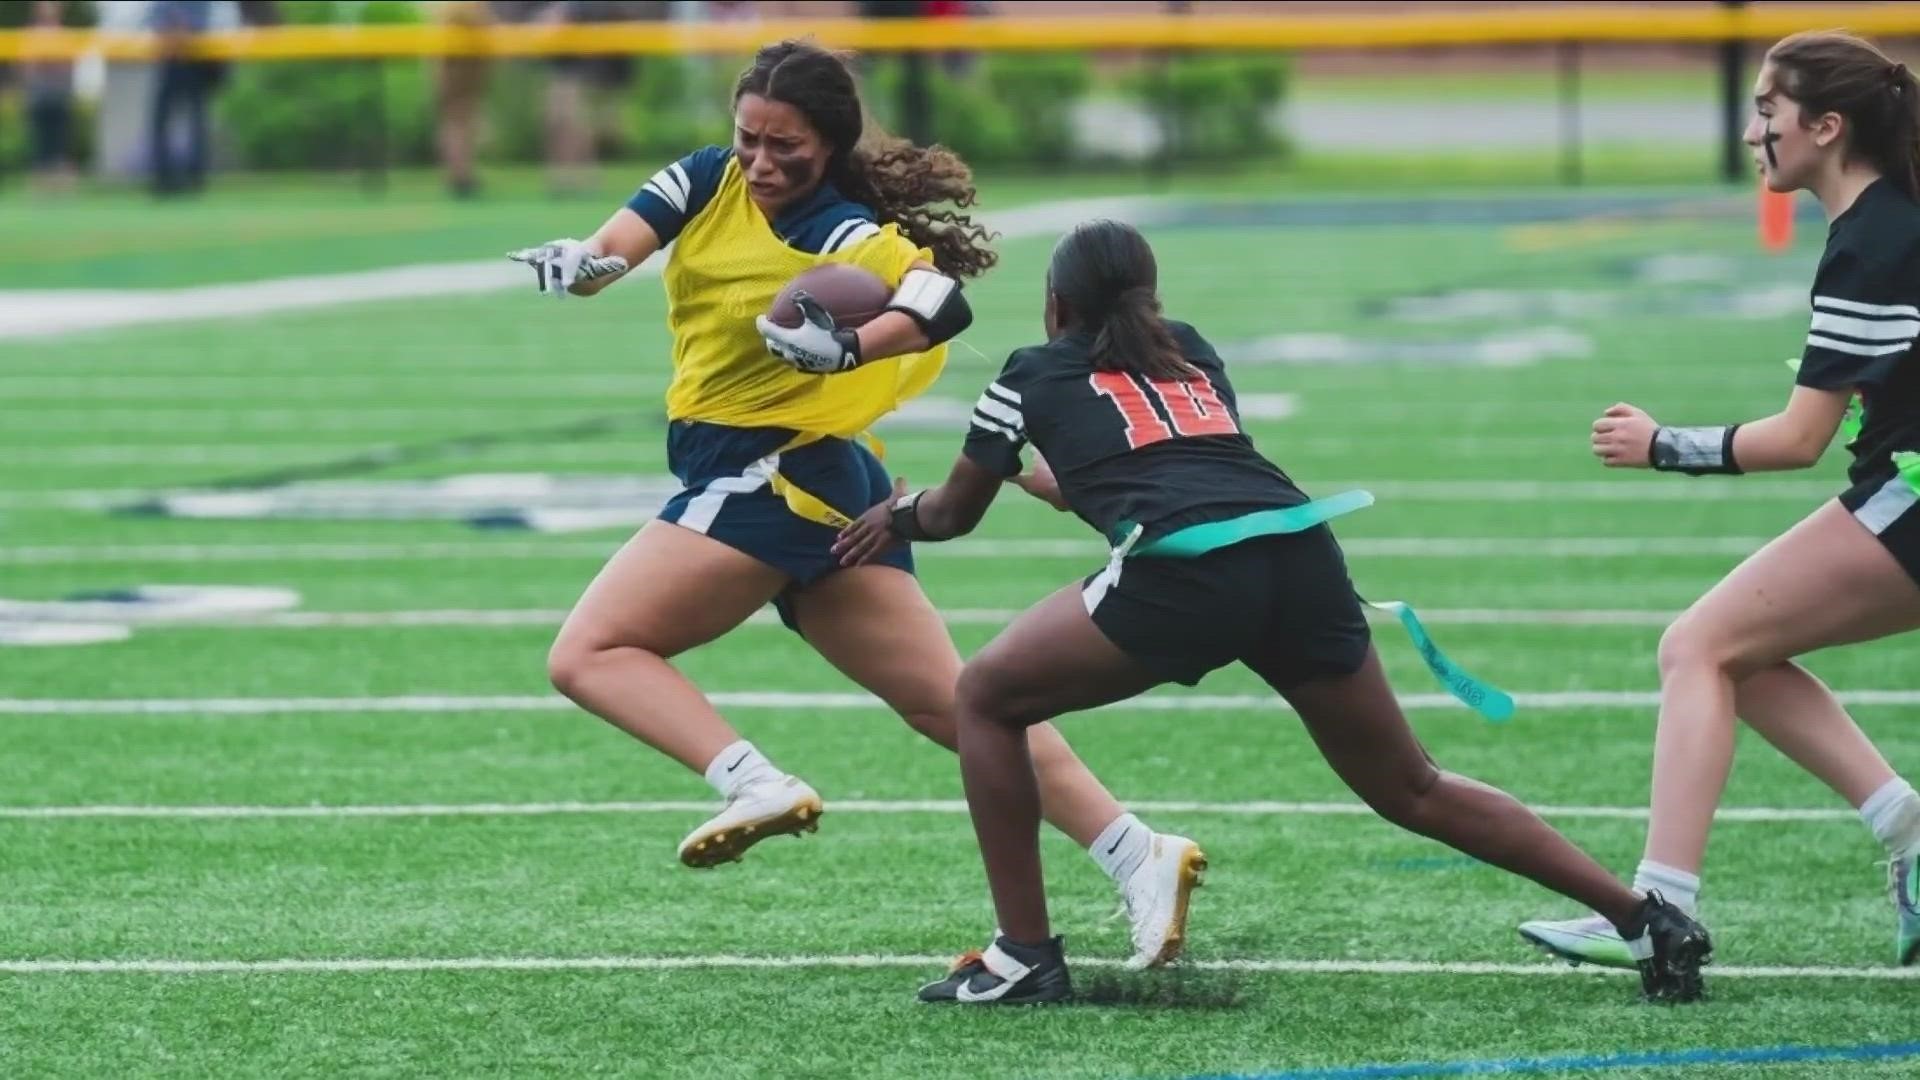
[779, 806]
[1155, 899]
[1589, 940]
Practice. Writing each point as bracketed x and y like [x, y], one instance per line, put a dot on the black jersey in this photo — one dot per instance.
[1159, 453]
[1866, 315]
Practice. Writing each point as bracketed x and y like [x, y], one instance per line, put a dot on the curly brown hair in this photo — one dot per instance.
[925, 190]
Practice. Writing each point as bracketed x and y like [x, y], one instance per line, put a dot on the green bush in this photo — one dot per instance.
[321, 114]
[1216, 107]
[1006, 110]
[305, 115]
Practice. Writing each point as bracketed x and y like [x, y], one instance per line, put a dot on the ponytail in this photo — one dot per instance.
[1903, 166]
[1132, 337]
[1105, 276]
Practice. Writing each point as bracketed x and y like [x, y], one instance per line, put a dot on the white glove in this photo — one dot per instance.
[817, 346]
[559, 264]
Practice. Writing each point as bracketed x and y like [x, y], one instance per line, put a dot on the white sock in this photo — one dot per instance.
[1121, 847]
[737, 766]
[1680, 888]
[1893, 813]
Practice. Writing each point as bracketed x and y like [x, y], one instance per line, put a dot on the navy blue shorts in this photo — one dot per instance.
[1890, 509]
[728, 473]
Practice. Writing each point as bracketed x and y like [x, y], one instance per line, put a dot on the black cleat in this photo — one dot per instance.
[1005, 974]
[1670, 948]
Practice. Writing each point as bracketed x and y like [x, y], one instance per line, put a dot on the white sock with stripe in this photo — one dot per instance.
[1893, 813]
[737, 766]
[1680, 888]
[1121, 847]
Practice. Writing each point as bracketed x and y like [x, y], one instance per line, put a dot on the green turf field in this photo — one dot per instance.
[537, 922]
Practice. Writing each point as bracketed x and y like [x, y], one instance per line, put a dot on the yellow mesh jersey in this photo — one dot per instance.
[726, 268]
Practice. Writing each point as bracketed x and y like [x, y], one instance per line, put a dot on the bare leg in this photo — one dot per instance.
[668, 590]
[1051, 660]
[1826, 581]
[1359, 727]
[876, 625]
[1803, 720]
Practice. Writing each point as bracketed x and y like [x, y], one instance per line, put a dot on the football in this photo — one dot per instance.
[851, 295]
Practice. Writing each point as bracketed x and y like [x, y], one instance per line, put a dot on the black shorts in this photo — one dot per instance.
[1890, 509]
[1284, 604]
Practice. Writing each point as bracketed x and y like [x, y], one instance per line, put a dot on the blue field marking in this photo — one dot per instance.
[1658, 1059]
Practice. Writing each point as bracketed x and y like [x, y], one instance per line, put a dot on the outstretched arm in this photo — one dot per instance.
[584, 267]
[943, 512]
[627, 236]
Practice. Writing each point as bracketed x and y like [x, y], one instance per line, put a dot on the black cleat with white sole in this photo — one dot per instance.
[1005, 974]
[1670, 948]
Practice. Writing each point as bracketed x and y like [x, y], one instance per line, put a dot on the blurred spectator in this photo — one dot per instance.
[49, 91]
[182, 84]
[260, 13]
[958, 64]
[731, 11]
[585, 94]
[460, 84]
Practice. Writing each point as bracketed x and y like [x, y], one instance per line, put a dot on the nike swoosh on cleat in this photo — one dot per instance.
[963, 993]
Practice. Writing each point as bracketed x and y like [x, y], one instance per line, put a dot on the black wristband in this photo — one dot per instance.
[1696, 451]
[906, 518]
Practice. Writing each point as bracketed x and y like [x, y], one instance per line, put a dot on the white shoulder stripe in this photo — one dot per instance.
[1001, 412]
[1854, 348]
[663, 186]
[843, 233]
[679, 177]
[840, 230]
[989, 425]
[860, 231]
[1866, 329]
[1834, 303]
[1011, 397]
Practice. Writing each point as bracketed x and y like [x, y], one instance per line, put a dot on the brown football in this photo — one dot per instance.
[851, 295]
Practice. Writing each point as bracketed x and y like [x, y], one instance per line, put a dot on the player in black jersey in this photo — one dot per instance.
[1835, 116]
[1218, 558]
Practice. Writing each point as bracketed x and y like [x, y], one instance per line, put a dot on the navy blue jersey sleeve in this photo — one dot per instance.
[681, 190]
[1864, 320]
[997, 431]
[826, 223]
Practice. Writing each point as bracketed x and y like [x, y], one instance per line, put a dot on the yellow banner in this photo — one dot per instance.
[1360, 31]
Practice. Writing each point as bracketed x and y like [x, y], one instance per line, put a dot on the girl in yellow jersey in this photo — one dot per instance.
[764, 433]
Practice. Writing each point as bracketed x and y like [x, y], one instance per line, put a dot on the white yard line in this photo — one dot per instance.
[776, 699]
[846, 806]
[1805, 491]
[53, 312]
[518, 618]
[857, 962]
[1495, 547]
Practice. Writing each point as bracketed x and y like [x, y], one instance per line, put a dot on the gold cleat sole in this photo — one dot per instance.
[1193, 869]
[728, 844]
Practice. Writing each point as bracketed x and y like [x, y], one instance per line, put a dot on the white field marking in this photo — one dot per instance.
[869, 961]
[215, 419]
[623, 453]
[1499, 547]
[249, 390]
[1809, 492]
[788, 699]
[52, 312]
[512, 618]
[847, 806]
